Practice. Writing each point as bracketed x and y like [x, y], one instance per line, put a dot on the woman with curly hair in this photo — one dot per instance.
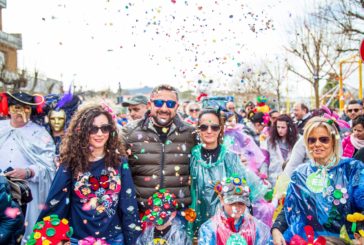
[93, 187]
[278, 146]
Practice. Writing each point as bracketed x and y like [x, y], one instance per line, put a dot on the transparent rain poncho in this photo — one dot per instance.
[177, 235]
[242, 144]
[217, 231]
[204, 176]
[322, 197]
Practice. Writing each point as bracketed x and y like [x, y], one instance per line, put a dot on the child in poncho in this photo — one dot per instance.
[232, 224]
[164, 227]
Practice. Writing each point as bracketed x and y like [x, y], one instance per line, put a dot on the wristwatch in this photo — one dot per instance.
[28, 173]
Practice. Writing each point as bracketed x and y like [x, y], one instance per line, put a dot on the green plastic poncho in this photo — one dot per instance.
[204, 175]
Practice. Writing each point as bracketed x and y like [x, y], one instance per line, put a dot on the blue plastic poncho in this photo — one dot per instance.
[324, 200]
[204, 176]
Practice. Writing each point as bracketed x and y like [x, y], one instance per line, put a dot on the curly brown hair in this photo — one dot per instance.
[75, 149]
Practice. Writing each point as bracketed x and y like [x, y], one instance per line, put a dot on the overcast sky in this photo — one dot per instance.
[98, 43]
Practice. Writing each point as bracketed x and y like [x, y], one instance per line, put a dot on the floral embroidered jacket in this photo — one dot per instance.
[100, 203]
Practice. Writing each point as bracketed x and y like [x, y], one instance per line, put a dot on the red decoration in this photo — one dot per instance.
[4, 107]
[103, 182]
[297, 240]
[362, 50]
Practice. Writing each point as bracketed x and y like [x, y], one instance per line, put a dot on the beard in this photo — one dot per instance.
[161, 121]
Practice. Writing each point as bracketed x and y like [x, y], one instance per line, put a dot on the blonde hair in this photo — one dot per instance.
[317, 122]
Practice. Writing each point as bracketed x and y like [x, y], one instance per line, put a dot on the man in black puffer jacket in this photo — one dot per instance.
[11, 217]
[159, 147]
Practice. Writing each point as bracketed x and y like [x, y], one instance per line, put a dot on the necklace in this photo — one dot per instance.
[99, 157]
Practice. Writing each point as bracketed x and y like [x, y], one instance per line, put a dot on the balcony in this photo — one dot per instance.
[11, 40]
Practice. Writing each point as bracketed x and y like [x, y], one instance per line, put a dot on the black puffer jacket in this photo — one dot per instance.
[11, 228]
[156, 165]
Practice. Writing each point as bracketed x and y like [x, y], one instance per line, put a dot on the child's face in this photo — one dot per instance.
[359, 239]
[234, 210]
[167, 224]
[231, 122]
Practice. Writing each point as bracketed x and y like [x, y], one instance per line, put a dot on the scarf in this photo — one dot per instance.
[357, 143]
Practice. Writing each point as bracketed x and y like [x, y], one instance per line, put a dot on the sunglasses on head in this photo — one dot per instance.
[169, 103]
[323, 140]
[355, 110]
[194, 110]
[214, 127]
[107, 128]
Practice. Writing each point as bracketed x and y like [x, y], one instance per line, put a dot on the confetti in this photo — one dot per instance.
[12, 212]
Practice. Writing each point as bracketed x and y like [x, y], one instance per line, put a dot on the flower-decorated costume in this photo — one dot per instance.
[205, 173]
[323, 196]
[163, 206]
[222, 229]
[99, 203]
[51, 230]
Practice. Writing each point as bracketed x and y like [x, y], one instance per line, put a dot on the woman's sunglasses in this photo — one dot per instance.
[323, 140]
[214, 127]
[194, 110]
[169, 103]
[107, 128]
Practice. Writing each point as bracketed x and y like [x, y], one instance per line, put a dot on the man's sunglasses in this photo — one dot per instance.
[214, 127]
[194, 110]
[355, 110]
[169, 103]
[323, 140]
[107, 128]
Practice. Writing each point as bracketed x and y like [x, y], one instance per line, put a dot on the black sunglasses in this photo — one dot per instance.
[196, 110]
[159, 103]
[106, 128]
[323, 140]
[214, 127]
[355, 110]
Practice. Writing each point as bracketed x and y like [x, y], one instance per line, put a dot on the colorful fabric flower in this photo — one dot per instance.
[310, 234]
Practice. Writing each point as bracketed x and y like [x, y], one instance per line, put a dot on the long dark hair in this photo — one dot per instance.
[292, 133]
[75, 150]
[218, 114]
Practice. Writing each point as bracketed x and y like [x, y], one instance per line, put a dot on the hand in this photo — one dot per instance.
[17, 173]
[278, 238]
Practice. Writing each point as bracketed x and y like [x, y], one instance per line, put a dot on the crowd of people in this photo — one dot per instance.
[73, 172]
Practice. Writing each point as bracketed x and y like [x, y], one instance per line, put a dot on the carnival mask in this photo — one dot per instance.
[23, 110]
[57, 120]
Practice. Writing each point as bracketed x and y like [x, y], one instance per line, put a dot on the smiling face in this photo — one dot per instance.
[209, 130]
[99, 139]
[163, 115]
[320, 144]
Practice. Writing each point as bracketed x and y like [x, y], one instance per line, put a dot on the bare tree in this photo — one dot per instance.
[254, 80]
[277, 73]
[348, 17]
[317, 47]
